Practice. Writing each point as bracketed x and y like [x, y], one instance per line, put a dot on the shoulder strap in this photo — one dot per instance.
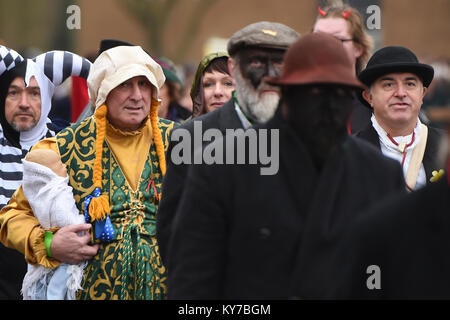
[416, 158]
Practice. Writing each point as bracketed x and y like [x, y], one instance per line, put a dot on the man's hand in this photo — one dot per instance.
[68, 247]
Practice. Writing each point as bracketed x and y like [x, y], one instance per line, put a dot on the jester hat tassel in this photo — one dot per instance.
[96, 208]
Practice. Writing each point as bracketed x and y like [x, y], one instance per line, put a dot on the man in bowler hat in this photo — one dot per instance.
[242, 235]
[397, 83]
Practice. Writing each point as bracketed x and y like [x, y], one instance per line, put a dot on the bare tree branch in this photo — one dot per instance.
[153, 15]
[194, 23]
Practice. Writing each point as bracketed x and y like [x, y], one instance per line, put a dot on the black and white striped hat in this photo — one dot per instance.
[8, 59]
[56, 65]
[50, 69]
[59, 65]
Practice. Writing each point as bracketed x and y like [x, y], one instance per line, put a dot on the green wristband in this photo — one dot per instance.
[48, 241]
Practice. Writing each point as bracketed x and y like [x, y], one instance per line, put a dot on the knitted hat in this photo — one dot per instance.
[169, 69]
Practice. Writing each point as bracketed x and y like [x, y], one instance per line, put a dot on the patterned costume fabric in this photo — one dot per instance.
[128, 267]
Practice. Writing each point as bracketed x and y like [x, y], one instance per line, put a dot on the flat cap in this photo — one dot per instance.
[262, 34]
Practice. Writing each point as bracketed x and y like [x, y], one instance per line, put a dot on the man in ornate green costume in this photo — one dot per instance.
[115, 160]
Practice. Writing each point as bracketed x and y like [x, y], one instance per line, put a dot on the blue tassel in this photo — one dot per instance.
[104, 230]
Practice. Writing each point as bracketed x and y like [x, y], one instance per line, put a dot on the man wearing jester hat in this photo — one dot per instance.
[115, 161]
[26, 90]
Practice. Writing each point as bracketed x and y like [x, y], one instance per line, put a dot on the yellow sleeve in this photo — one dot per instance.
[20, 229]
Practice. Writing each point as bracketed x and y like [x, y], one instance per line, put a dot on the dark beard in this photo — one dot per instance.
[24, 129]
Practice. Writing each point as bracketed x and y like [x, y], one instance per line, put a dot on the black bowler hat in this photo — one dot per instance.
[111, 43]
[395, 59]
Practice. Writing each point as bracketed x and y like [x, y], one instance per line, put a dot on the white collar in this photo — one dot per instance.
[384, 139]
[245, 123]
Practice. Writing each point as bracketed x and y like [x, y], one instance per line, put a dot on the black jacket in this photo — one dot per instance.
[240, 234]
[408, 238]
[13, 268]
[360, 117]
[174, 179]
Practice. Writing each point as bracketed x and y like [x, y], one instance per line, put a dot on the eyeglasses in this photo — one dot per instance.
[344, 40]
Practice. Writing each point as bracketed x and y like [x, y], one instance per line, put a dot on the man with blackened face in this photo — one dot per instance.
[317, 93]
[258, 100]
[257, 51]
[318, 114]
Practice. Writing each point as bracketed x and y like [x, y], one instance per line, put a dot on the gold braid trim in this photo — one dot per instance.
[157, 137]
[99, 206]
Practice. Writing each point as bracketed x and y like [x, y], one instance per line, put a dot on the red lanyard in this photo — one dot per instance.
[154, 188]
[403, 151]
[406, 146]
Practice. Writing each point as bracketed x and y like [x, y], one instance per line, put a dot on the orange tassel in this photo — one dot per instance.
[99, 207]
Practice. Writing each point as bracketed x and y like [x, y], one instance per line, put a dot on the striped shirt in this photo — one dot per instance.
[11, 166]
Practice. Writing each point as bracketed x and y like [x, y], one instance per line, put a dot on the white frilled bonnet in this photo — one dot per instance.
[116, 65]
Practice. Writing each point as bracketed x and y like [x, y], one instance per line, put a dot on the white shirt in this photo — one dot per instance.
[389, 149]
[245, 123]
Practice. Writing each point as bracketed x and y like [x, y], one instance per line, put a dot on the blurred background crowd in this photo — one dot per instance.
[179, 33]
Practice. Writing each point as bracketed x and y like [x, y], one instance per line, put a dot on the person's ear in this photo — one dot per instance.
[367, 96]
[231, 66]
[358, 50]
[425, 89]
